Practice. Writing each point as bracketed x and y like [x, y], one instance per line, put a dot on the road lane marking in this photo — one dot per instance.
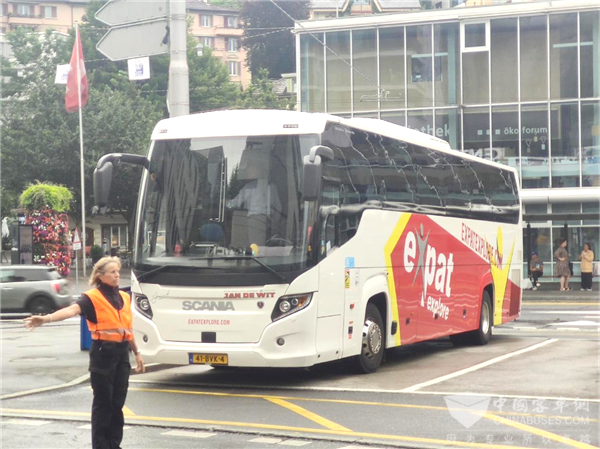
[386, 404]
[576, 323]
[295, 443]
[550, 303]
[476, 367]
[264, 440]
[353, 402]
[127, 411]
[77, 381]
[26, 422]
[189, 434]
[308, 414]
[534, 430]
[404, 438]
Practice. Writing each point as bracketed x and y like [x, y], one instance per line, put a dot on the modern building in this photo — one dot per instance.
[213, 26]
[516, 83]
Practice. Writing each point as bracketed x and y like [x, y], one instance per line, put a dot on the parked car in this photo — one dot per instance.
[37, 289]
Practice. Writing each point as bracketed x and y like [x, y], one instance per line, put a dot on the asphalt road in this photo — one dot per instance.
[534, 385]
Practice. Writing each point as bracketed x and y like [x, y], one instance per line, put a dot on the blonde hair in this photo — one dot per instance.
[100, 269]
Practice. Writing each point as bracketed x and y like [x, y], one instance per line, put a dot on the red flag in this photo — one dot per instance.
[72, 95]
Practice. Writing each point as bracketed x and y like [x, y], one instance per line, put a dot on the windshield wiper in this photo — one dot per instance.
[156, 270]
[255, 259]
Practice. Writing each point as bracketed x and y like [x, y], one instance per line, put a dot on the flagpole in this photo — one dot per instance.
[81, 165]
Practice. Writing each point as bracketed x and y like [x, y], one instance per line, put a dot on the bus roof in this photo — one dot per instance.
[263, 122]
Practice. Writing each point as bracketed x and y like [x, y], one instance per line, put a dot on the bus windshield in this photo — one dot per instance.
[225, 204]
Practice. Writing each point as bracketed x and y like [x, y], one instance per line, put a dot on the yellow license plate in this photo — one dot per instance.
[209, 359]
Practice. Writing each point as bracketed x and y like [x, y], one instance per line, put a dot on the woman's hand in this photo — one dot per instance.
[140, 368]
[34, 321]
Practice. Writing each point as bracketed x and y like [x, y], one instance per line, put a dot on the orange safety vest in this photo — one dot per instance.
[113, 324]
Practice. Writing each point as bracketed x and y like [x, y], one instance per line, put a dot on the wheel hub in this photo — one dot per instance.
[372, 339]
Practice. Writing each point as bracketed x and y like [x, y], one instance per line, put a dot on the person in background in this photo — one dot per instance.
[537, 270]
[562, 265]
[108, 314]
[587, 264]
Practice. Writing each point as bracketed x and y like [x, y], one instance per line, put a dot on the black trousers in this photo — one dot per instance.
[535, 275]
[586, 280]
[109, 375]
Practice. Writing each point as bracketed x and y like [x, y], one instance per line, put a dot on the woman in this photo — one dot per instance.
[562, 265]
[587, 264]
[108, 314]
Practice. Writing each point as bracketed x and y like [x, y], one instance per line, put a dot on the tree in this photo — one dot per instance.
[267, 39]
[260, 95]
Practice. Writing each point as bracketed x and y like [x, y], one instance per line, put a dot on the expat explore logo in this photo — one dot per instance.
[435, 268]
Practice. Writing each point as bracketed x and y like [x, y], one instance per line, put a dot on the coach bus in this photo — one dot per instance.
[287, 239]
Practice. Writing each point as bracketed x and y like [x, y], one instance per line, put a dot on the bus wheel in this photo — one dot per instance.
[373, 341]
[482, 335]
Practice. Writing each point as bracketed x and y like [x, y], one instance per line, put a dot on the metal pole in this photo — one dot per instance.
[529, 250]
[81, 165]
[179, 82]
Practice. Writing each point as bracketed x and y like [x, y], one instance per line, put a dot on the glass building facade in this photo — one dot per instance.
[517, 84]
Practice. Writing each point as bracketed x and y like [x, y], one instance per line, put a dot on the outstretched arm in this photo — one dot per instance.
[37, 320]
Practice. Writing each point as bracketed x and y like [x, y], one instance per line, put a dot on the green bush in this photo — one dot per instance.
[96, 253]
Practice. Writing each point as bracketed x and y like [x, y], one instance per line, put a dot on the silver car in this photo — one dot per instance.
[37, 289]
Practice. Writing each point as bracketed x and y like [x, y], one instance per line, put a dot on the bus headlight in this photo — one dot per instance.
[142, 305]
[286, 305]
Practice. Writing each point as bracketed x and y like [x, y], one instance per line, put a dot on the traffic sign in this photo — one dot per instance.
[135, 40]
[76, 241]
[119, 12]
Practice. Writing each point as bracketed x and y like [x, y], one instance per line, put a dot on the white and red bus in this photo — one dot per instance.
[287, 239]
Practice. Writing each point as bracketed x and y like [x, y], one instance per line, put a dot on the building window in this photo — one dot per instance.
[364, 59]
[534, 57]
[534, 146]
[4, 9]
[234, 68]
[230, 21]
[391, 67]
[420, 76]
[114, 239]
[475, 36]
[338, 71]
[23, 10]
[206, 21]
[207, 41]
[231, 44]
[590, 143]
[565, 144]
[504, 48]
[563, 56]
[312, 76]
[590, 54]
[50, 12]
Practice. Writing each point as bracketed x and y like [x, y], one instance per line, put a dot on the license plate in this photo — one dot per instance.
[209, 359]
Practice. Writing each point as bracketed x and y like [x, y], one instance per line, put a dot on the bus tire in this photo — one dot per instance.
[373, 342]
[482, 335]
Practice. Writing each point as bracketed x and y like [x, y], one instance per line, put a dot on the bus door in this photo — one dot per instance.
[331, 279]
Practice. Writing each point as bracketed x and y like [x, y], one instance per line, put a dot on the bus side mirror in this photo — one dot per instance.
[312, 171]
[102, 183]
[103, 176]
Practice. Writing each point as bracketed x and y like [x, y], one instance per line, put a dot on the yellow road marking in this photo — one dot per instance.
[404, 438]
[127, 411]
[309, 415]
[554, 303]
[337, 401]
[539, 432]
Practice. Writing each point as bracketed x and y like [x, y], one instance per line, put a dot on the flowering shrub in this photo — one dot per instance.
[50, 238]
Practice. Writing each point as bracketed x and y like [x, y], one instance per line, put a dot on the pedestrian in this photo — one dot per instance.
[587, 264]
[108, 314]
[537, 269]
[562, 265]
